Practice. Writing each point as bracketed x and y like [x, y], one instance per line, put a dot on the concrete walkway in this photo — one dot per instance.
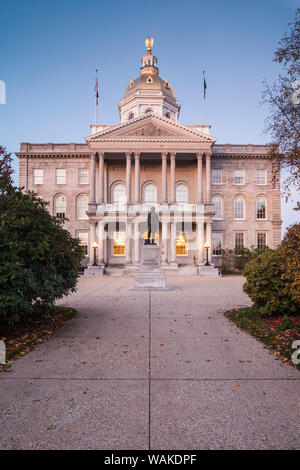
[159, 370]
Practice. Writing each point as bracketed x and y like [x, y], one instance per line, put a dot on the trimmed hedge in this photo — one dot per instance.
[38, 259]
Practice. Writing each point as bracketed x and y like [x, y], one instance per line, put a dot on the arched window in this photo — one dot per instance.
[217, 201]
[81, 206]
[261, 207]
[239, 208]
[60, 205]
[150, 194]
[182, 195]
[131, 116]
[167, 115]
[119, 194]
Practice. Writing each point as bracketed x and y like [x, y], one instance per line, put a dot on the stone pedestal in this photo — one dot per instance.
[95, 271]
[149, 276]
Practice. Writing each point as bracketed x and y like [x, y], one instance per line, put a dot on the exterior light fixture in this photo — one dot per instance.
[207, 246]
[95, 246]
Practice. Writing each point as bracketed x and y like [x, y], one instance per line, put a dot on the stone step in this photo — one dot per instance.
[208, 270]
[114, 270]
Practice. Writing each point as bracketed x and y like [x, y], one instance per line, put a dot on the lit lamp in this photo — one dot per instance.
[207, 246]
[95, 246]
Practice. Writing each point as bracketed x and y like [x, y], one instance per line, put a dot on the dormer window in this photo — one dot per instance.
[149, 80]
[131, 116]
[132, 84]
[167, 115]
[148, 110]
[166, 85]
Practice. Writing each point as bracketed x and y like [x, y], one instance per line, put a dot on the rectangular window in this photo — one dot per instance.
[37, 176]
[239, 177]
[217, 243]
[60, 176]
[261, 208]
[181, 245]
[261, 176]
[239, 240]
[83, 176]
[239, 208]
[84, 240]
[216, 176]
[119, 243]
[261, 241]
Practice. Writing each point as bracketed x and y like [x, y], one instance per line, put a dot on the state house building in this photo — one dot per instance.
[226, 195]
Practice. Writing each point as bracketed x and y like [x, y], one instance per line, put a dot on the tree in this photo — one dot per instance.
[5, 168]
[283, 122]
[290, 249]
[38, 259]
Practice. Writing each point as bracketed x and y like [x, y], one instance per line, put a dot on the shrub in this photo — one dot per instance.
[234, 261]
[290, 249]
[266, 285]
[38, 258]
[285, 322]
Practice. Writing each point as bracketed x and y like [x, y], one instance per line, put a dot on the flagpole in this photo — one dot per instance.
[204, 97]
[96, 97]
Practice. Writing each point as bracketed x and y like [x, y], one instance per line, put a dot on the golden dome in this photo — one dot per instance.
[152, 83]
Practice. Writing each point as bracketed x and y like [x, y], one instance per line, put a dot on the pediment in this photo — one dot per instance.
[150, 130]
[150, 127]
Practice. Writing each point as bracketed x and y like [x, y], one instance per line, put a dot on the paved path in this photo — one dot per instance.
[159, 370]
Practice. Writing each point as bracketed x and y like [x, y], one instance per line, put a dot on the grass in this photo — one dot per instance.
[30, 332]
[263, 329]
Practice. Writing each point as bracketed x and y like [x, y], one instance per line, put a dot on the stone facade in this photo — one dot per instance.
[226, 195]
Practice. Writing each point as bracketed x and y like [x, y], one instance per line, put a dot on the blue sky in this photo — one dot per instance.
[49, 51]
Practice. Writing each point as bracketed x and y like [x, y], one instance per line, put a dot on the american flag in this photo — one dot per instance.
[204, 85]
[96, 88]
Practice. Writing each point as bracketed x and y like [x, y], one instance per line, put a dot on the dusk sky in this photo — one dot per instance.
[49, 51]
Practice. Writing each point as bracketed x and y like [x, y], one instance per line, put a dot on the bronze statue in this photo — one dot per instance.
[153, 226]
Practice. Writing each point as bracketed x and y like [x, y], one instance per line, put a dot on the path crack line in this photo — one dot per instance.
[149, 372]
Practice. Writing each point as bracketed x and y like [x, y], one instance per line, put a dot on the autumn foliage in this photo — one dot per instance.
[273, 278]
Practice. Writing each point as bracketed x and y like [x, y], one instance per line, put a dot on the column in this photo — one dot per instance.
[93, 239]
[164, 236]
[208, 177]
[173, 243]
[136, 243]
[128, 251]
[209, 239]
[106, 183]
[199, 179]
[200, 241]
[137, 192]
[93, 179]
[101, 235]
[128, 177]
[173, 178]
[164, 178]
[101, 178]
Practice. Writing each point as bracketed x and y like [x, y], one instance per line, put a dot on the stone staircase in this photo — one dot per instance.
[208, 270]
[115, 270]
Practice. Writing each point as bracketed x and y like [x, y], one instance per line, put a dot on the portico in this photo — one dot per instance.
[119, 222]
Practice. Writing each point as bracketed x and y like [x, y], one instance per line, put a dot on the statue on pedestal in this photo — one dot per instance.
[153, 226]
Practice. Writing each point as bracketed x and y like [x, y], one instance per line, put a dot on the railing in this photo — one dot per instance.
[123, 207]
[229, 148]
[53, 147]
